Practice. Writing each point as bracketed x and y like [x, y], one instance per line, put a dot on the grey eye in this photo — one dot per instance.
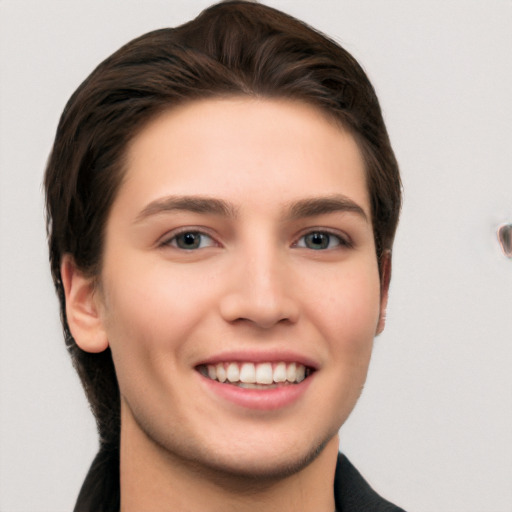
[319, 240]
[190, 240]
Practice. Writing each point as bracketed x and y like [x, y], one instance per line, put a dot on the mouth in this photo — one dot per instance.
[248, 375]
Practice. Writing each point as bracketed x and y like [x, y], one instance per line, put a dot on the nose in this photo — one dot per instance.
[259, 291]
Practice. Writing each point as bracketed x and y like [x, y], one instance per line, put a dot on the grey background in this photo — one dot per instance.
[433, 430]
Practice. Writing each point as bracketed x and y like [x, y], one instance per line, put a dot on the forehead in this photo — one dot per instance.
[244, 149]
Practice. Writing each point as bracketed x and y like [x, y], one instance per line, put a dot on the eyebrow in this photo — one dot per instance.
[303, 208]
[195, 204]
[324, 205]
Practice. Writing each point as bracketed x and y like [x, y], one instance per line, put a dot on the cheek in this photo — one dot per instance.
[152, 312]
[347, 316]
[349, 308]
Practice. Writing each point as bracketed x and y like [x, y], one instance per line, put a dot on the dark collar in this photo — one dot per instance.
[353, 494]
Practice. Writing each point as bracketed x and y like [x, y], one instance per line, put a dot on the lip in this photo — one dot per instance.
[257, 399]
[272, 399]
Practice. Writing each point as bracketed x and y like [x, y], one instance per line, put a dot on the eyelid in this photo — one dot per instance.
[344, 240]
[165, 241]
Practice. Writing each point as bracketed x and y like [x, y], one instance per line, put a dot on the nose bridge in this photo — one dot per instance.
[265, 275]
[258, 289]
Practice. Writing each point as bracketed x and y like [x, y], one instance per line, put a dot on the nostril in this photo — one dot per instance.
[505, 239]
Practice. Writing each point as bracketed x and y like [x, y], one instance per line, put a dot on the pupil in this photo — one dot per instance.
[318, 240]
[189, 240]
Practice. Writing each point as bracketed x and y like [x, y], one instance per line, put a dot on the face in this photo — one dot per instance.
[240, 290]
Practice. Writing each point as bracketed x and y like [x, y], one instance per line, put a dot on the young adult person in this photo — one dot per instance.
[222, 199]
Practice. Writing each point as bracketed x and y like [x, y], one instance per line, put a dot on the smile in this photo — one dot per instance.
[256, 375]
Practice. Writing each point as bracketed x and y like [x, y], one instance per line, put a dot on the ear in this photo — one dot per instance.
[385, 279]
[82, 308]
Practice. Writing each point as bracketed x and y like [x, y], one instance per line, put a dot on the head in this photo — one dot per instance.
[231, 50]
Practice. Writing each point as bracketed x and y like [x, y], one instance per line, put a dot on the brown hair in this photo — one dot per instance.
[231, 48]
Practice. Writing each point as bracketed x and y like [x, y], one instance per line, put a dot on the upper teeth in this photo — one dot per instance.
[261, 373]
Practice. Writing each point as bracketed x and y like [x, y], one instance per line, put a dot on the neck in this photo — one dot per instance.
[154, 479]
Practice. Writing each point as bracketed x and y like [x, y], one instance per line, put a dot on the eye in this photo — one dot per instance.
[190, 240]
[321, 240]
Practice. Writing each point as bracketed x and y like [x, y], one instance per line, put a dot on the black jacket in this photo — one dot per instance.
[353, 494]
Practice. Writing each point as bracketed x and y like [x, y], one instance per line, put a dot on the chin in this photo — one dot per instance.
[252, 465]
[275, 468]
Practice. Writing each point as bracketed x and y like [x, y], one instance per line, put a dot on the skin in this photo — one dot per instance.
[254, 286]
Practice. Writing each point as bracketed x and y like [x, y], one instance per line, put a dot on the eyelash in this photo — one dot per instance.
[172, 241]
[341, 241]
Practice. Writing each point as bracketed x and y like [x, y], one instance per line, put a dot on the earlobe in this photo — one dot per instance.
[384, 289]
[82, 309]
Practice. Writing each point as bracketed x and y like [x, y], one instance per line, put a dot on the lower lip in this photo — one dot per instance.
[258, 399]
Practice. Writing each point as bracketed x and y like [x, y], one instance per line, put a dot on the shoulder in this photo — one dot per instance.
[353, 494]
